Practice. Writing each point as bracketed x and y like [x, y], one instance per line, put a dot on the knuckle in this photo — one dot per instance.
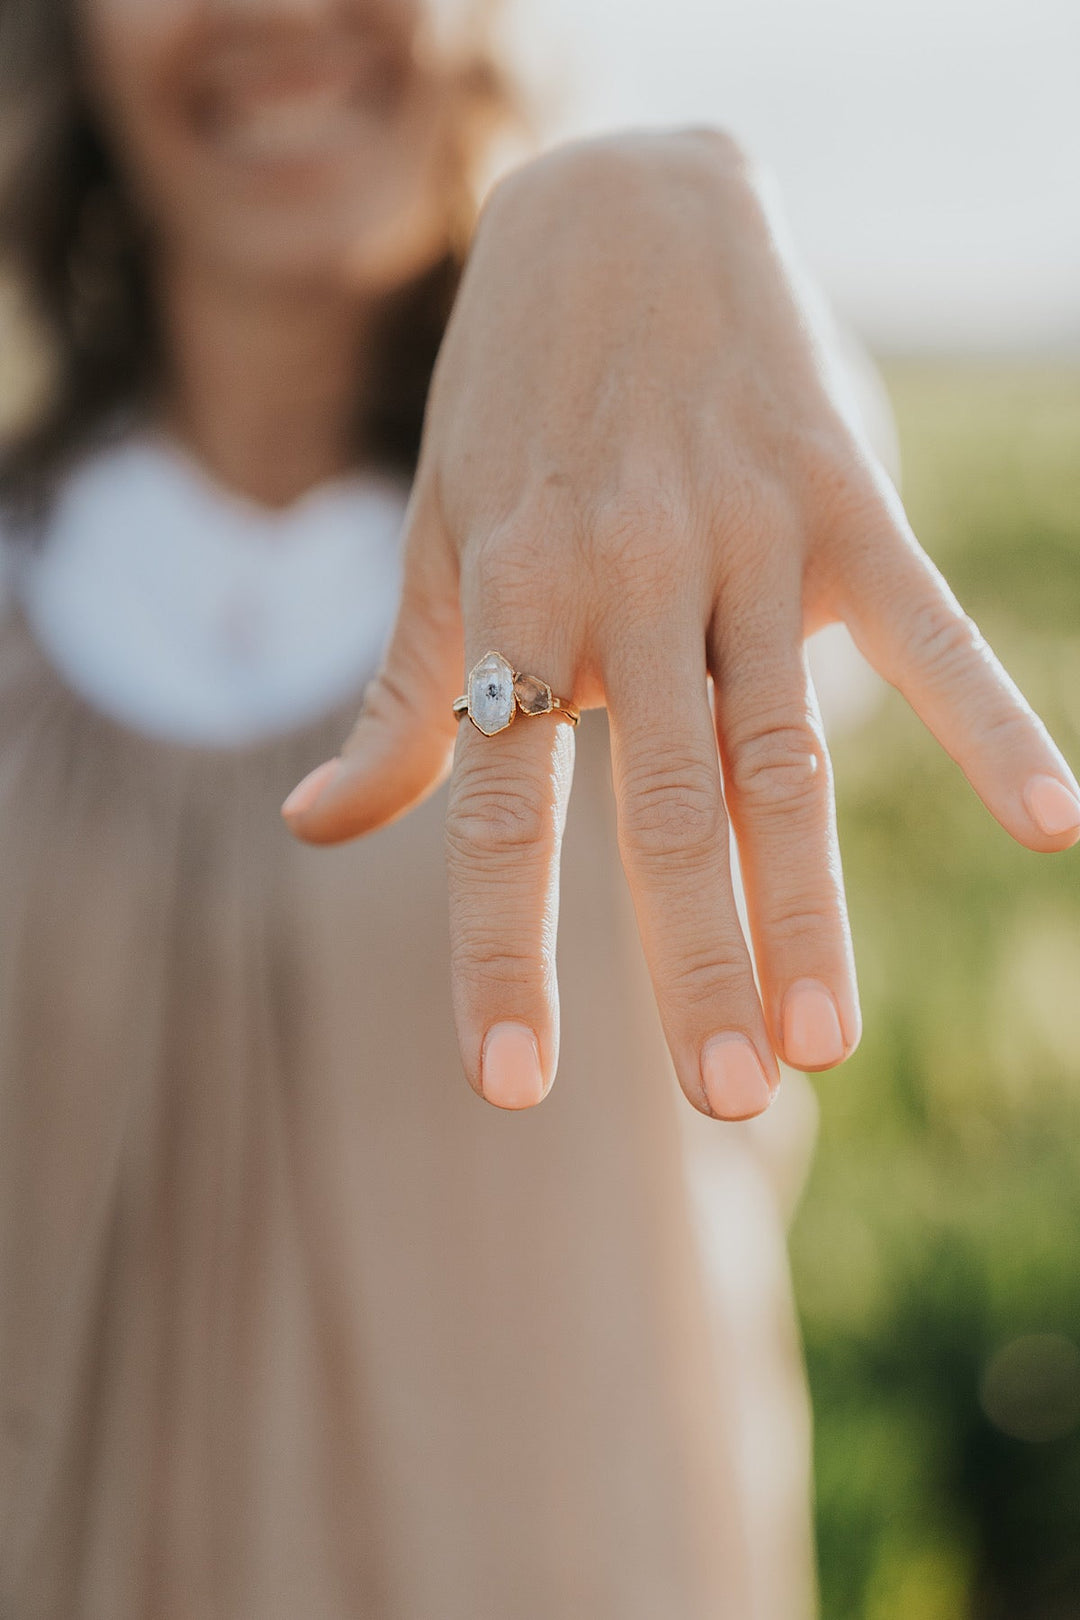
[1010, 726]
[672, 813]
[833, 479]
[778, 764]
[846, 504]
[506, 561]
[702, 980]
[510, 575]
[945, 642]
[481, 954]
[633, 537]
[488, 825]
[805, 921]
[385, 698]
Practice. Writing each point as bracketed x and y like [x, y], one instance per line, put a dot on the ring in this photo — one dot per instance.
[497, 691]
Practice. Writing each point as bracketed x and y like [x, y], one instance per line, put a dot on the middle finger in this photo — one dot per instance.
[673, 838]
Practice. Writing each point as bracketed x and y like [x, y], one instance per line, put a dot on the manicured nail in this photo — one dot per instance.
[735, 1081]
[813, 1038]
[304, 795]
[510, 1072]
[1053, 806]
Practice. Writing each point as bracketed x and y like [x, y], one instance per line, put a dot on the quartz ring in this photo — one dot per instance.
[497, 691]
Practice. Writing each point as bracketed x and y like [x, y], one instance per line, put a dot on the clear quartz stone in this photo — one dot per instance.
[491, 693]
[533, 695]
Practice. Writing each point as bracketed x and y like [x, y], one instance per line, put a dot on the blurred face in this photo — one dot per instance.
[285, 139]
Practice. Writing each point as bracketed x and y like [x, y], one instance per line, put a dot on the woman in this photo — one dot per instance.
[289, 1324]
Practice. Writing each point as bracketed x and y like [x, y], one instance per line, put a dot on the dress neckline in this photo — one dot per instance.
[158, 443]
[189, 615]
[16, 626]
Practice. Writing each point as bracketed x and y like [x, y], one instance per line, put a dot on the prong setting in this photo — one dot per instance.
[492, 702]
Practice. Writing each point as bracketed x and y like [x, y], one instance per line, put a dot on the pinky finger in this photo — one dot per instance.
[908, 623]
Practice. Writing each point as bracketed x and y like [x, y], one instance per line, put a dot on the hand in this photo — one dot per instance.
[638, 473]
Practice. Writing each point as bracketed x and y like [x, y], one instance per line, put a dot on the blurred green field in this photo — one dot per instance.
[937, 1253]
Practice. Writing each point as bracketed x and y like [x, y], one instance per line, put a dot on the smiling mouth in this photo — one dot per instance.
[296, 126]
[298, 115]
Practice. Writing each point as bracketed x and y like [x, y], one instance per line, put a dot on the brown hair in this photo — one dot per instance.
[72, 252]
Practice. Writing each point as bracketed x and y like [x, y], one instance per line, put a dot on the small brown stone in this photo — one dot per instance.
[534, 697]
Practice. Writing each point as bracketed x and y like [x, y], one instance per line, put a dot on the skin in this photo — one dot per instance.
[289, 159]
[640, 480]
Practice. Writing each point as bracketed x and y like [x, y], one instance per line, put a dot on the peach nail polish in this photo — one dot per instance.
[510, 1071]
[735, 1082]
[304, 795]
[1053, 806]
[813, 1038]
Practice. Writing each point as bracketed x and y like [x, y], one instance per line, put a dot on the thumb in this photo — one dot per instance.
[401, 746]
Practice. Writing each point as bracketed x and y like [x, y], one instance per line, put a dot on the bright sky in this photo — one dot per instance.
[929, 150]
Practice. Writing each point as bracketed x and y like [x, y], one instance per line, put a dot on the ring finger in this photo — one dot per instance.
[507, 809]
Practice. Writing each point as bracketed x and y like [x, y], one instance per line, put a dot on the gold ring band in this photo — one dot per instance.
[496, 691]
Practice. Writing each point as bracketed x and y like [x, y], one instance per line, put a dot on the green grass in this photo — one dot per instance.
[943, 1217]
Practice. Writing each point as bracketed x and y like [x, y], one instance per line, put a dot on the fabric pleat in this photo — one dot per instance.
[292, 1325]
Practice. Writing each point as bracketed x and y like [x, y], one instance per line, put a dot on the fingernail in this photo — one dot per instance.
[510, 1072]
[304, 795]
[735, 1081]
[813, 1038]
[1052, 805]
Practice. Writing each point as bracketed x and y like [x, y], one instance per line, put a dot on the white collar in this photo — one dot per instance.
[191, 613]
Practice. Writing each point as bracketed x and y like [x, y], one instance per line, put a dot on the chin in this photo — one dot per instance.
[310, 247]
[371, 215]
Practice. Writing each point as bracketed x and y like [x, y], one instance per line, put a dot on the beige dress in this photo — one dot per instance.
[292, 1325]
